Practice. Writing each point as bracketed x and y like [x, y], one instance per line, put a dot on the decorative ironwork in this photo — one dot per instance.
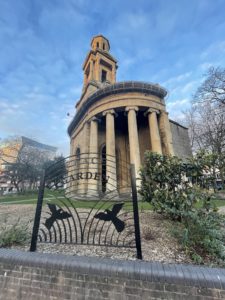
[111, 215]
[57, 214]
[85, 200]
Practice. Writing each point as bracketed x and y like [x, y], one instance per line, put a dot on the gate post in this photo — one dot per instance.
[37, 217]
[135, 210]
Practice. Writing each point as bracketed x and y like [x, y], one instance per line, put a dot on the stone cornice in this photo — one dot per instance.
[94, 52]
[91, 82]
[117, 88]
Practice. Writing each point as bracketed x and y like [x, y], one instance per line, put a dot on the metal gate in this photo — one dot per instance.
[88, 200]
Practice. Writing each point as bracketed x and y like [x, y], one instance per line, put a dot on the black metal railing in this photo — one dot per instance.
[73, 208]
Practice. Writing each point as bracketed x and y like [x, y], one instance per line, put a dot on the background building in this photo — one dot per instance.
[21, 154]
[121, 119]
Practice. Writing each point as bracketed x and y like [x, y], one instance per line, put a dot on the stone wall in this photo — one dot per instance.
[47, 277]
[181, 142]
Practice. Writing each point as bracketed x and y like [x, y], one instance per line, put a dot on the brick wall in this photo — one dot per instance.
[34, 276]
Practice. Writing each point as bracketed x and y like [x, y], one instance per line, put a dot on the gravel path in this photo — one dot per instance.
[157, 242]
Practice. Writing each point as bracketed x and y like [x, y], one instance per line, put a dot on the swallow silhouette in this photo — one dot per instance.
[57, 214]
[111, 215]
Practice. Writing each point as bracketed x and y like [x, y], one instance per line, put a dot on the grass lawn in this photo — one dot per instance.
[31, 198]
[16, 197]
[218, 203]
[27, 197]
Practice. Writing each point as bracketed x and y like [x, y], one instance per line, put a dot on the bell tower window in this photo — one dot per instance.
[104, 76]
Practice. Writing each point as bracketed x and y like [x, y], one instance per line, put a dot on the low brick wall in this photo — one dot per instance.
[32, 276]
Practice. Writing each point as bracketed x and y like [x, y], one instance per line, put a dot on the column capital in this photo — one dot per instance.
[128, 108]
[109, 111]
[164, 112]
[151, 110]
[95, 119]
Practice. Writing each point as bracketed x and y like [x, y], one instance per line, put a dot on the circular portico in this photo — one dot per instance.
[123, 119]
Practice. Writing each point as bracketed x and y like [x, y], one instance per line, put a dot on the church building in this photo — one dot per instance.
[121, 120]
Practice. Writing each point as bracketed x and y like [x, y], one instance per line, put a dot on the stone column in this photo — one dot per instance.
[70, 185]
[154, 130]
[93, 146]
[83, 168]
[91, 69]
[93, 158]
[113, 74]
[71, 146]
[164, 126]
[97, 68]
[110, 151]
[133, 139]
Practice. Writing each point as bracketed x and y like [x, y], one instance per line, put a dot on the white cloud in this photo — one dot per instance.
[131, 22]
[205, 66]
[177, 79]
[177, 103]
[136, 21]
[8, 109]
[178, 117]
[213, 49]
[44, 45]
[189, 87]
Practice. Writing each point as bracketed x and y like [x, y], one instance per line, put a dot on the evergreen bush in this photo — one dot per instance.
[16, 234]
[173, 188]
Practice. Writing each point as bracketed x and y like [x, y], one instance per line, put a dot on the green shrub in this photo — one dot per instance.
[164, 184]
[201, 235]
[16, 234]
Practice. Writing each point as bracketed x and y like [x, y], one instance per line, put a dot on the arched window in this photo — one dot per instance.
[104, 76]
[103, 46]
[97, 44]
[78, 153]
[103, 155]
[77, 158]
[118, 168]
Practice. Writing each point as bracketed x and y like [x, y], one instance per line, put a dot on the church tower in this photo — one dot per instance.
[99, 67]
[119, 121]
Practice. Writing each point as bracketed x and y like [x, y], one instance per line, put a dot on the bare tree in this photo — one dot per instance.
[206, 118]
[213, 88]
[191, 122]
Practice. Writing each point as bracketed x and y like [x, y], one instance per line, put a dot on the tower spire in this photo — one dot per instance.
[99, 66]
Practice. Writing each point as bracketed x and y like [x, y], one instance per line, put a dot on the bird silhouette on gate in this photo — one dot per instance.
[57, 214]
[111, 215]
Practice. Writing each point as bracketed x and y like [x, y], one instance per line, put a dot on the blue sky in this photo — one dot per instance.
[44, 43]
